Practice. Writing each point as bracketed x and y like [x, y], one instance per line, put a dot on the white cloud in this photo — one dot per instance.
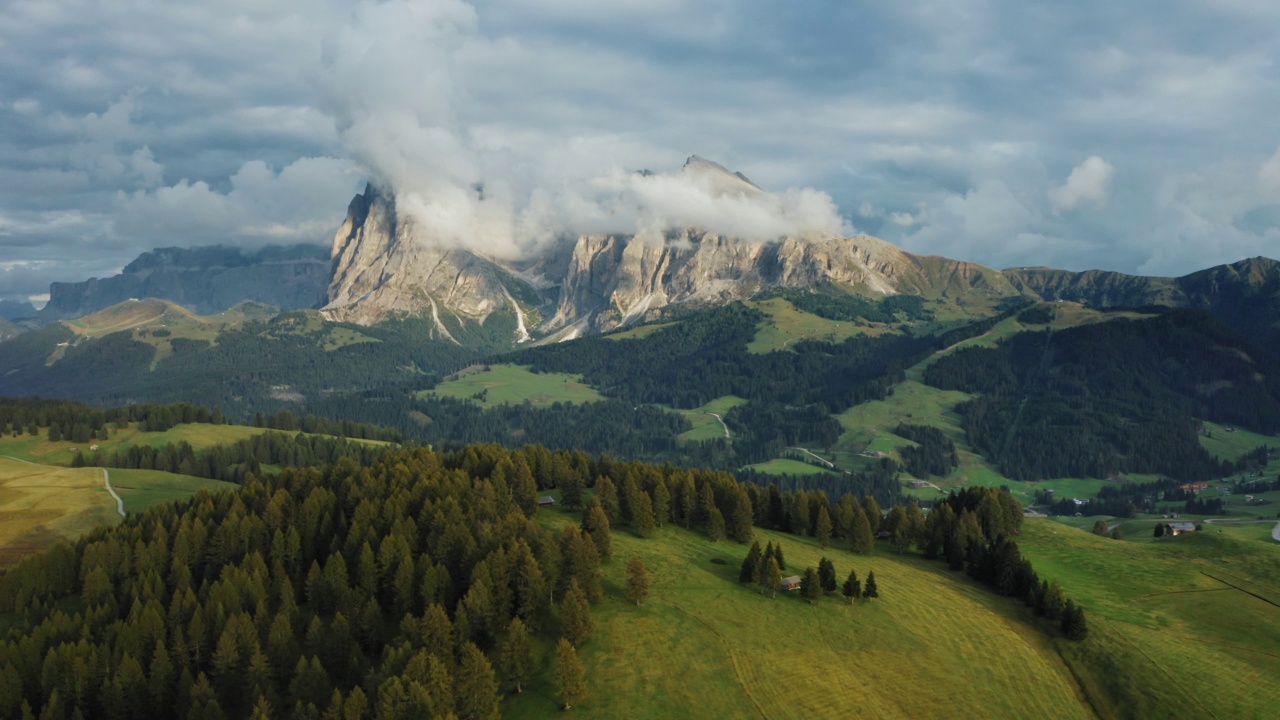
[1088, 183]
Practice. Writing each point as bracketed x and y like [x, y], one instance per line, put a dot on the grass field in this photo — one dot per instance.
[786, 325]
[933, 645]
[787, 466]
[637, 332]
[140, 489]
[1231, 442]
[40, 505]
[705, 425]
[502, 384]
[1186, 625]
[200, 435]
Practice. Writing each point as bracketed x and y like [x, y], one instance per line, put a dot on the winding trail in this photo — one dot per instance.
[106, 480]
[726, 427]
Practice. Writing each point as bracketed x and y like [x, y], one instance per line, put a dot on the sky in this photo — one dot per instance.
[1140, 136]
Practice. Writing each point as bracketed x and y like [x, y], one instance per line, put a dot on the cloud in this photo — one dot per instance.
[1088, 183]
[945, 128]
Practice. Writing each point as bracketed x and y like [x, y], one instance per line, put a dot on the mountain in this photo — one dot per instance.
[385, 267]
[14, 310]
[9, 329]
[1245, 295]
[205, 280]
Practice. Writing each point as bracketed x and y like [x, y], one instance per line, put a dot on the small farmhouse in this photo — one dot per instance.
[790, 583]
[546, 501]
[1181, 527]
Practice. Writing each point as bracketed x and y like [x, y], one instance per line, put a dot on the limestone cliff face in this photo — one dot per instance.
[383, 268]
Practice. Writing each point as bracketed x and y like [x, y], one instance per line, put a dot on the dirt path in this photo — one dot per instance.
[828, 463]
[726, 427]
[106, 480]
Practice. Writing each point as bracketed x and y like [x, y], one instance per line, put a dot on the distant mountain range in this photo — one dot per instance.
[205, 280]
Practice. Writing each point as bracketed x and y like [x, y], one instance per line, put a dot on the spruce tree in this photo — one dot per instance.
[637, 581]
[570, 675]
[852, 588]
[810, 585]
[827, 575]
[1159, 531]
[750, 571]
[871, 591]
[570, 490]
[1073, 624]
[777, 555]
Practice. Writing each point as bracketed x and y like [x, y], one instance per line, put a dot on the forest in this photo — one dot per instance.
[1125, 396]
[409, 587]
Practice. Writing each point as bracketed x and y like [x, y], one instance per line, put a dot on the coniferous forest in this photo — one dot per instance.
[405, 588]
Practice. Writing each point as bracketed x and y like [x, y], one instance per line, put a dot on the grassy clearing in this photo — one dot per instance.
[705, 425]
[786, 466]
[638, 332]
[786, 325]
[703, 646]
[40, 505]
[140, 489]
[502, 384]
[1230, 442]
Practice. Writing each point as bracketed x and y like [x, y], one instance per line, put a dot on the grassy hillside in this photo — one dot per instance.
[1181, 625]
[40, 505]
[705, 424]
[933, 645]
[199, 435]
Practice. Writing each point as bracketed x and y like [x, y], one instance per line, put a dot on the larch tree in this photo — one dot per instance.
[571, 676]
[596, 524]
[861, 539]
[771, 578]
[637, 581]
[476, 686]
[575, 614]
[822, 527]
[516, 655]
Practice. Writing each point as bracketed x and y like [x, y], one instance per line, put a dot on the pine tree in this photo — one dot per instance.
[575, 614]
[516, 655]
[810, 585]
[477, 686]
[852, 588]
[570, 675]
[750, 571]
[637, 581]
[827, 575]
[871, 591]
